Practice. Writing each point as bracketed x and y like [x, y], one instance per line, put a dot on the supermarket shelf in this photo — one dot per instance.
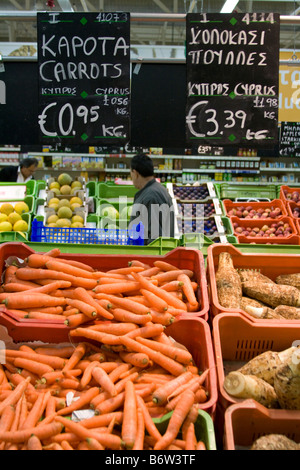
[228, 170]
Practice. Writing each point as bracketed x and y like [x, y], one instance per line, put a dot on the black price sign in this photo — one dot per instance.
[232, 79]
[84, 77]
[290, 139]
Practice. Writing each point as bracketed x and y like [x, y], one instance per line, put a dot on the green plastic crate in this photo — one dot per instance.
[114, 191]
[29, 200]
[232, 191]
[104, 202]
[91, 187]
[17, 236]
[31, 186]
[158, 247]
[204, 428]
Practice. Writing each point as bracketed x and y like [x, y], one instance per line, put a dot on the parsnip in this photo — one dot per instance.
[287, 312]
[248, 301]
[289, 280]
[249, 386]
[274, 442]
[262, 312]
[248, 275]
[229, 286]
[265, 365]
[273, 294]
[287, 384]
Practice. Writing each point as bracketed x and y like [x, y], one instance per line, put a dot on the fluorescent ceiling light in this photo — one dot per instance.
[229, 6]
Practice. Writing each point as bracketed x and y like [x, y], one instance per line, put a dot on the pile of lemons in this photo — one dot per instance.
[64, 185]
[11, 217]
[64, 215]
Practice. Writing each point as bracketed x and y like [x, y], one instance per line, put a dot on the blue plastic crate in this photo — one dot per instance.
[98, 236]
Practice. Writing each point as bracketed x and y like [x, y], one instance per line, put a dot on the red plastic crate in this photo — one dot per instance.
[292, 240]
[228, 205]
[271, 265]
[287, 189]
[193, 332]
[290, 206]
[260, 422]
[183, 258]
[237, 340]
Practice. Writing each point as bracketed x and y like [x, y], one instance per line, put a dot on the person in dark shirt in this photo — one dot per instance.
[152, 204]
[19, 174]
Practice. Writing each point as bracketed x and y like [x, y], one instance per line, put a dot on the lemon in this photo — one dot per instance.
[13, 218]
[76, 225]
[74, 206]
[6, 208]
[21, 207]
[54, 185]
[54, 206]
[52, 219]
[53, 200]
[65, 189]
[77, 218]
[5, 226]
[64, 212]
[76, 200]
[63, 223]
[3, 217]
[56, 191]
[20, 226]
[76, 185]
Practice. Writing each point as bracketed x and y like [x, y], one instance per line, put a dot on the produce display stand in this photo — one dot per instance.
[260, 421]
[271, 265]
[245, 191]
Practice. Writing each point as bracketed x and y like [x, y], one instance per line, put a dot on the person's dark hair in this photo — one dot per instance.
[143, 164]
[27, 162]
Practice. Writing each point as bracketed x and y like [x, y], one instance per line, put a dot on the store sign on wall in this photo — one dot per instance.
[289, 89]
[84, 77]
[232, 79]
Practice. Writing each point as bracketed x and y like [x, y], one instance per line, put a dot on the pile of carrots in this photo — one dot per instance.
[74, 293]
[121, 367]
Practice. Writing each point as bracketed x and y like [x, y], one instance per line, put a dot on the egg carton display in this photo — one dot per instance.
[190, 193]
[65, 185]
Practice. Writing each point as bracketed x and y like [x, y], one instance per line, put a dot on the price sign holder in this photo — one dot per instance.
[84, 78]
[232, 79]
[289, 139]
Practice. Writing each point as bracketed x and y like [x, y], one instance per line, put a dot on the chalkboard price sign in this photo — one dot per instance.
[84, 78]
[290, 139]
[232, 79]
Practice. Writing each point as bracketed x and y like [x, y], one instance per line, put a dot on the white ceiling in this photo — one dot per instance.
[155, 32]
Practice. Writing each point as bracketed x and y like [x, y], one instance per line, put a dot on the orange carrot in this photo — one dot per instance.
[103, 420]
[164, 266]
[77, 319]
[129, 424]
[136, 359]
[200, 446]
[126, 303]
[188, 289]
[150, 272]
[109, 441]
[147, 331]
[93, 444]
[36, 411]
[161, 394]
[36, 315]
[156, 302]
[33, 366]
[42, 432]
[7, 418]
[170, 299]
[82, 295]
[62, 352]
[126, 270]
[21, 300]
[104, 338]
[164, 319]
[15, 395]
[117, 288]
[55, 362]
[67, 269]
[171, 275]
[75, 357]
[179, 414]
[103, 379]
[149, 424]
[114, 327]
[166, 362]
[178, 354]
[29, 274]
[136, 262]
[34, 443]
[140, 431]
[38, 260]
[172, 286]
[83, 400]
[126, 316]
[191, 440]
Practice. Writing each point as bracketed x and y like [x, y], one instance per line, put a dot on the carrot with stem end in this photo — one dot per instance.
[114, 328]
[38, 274]
[18, 300]
[147, 331]
[164, 265]
[140, 360]
[172, 286]
[178, 354]
[103, 420]
[75, 320]
[156, 302]
[170, 299]
[179, 414]
[82, 295]
[161, 394]
[93, 444]
[42, 432]
[103, 379]
[122, 315]
[98, 336]
[172, 275]
[15, 395]
[126, 270]
[37, 368]
[58, 266]
[191, 439]
[129, 423]
[188, 290]
[83, 307]
[109, 441]
[36, 411]
[77, 354]
[172, 366]
[164, 319]
[117, 288]
[55, 362]
[84, 399]
[126, 303]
